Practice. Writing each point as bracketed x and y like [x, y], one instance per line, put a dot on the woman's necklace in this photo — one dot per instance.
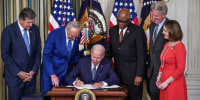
[163, 55]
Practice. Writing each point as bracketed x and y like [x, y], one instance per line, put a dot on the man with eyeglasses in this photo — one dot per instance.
[60, 55]
[127, 44]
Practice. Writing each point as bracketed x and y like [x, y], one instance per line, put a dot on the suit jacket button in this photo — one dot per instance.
[119, 48]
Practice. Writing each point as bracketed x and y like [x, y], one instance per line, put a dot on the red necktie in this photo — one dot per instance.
[121, 35]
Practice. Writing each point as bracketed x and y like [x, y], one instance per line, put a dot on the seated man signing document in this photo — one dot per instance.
[95, 70]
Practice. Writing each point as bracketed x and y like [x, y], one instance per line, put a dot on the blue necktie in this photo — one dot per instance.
[26, 41]
[69, 48]
[93, 72]
[155, 33]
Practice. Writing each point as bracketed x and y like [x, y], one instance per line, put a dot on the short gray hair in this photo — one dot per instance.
[98, 47]
[75, 24]
[160, 6]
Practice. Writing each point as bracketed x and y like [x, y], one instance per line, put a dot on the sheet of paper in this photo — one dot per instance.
[69, 86]
[112, 86]
[88, 86]
[85, 86]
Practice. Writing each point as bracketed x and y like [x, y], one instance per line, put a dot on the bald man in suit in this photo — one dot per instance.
[129, 52]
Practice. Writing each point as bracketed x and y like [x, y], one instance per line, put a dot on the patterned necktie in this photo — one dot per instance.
[69, 48]
[155, 33]
[121, 35]
[93, 72]
[26, 41]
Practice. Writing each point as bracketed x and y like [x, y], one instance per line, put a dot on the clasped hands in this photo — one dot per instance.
[162, 85]
[80, 83]
[26, 76]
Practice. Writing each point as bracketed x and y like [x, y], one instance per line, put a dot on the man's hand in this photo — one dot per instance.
[32, 73]
[137, 81]
[22, 75]
[55, 80]
[30, 76]
[79, 83]
[97, 85]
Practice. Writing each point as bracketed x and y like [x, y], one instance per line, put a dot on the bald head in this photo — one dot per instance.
[123, 18]
[124, 13]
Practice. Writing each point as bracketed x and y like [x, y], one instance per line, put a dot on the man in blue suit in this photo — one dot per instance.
[21, 54]
[60, 55]
[93, 70]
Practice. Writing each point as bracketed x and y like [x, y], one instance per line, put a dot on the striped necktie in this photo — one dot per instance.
[121, 35]
[155, 33]
[93, 72]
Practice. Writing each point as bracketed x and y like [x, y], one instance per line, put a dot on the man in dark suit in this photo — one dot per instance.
[60, 55]
[127, 44]
[95, 70]
[21, 54]
[157, 41]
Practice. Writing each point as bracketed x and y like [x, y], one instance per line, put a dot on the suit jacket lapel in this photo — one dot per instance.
[126, 34]
[31, 40]
[74, 47]
[62, 42]
[151, 32]
[159, 34]
[116, 35]
[20, 37]
[99, 70]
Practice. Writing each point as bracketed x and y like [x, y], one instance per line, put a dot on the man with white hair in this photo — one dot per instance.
[95, 70]
[157, 41]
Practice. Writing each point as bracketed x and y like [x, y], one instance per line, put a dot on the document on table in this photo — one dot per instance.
[88, 86]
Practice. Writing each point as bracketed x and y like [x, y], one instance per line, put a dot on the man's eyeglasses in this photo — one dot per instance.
[120, 21]
[72, 37]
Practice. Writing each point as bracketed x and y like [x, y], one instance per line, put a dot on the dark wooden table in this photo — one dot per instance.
[63, 93]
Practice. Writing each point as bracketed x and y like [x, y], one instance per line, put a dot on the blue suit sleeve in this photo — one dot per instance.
[112, 77]
[75, 58]
[48, 53]
[37, 58]
[6, 43]
[71, 77]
